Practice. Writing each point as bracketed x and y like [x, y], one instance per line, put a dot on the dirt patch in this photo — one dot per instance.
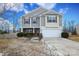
[74, 38]
[4, 43]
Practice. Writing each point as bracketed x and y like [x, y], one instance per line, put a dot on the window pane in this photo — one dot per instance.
[27, 21]
[51, 19]
[35, 20]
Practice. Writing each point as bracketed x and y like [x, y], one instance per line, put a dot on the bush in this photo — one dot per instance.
[21, 34]
[36, 34]
[28, 34]
[25, 34]
[40, 36]
[3, 32]
[64, 35]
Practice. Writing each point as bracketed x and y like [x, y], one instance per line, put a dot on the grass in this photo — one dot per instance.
[4, 43]
[74, 38]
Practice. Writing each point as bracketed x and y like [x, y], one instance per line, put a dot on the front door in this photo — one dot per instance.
[37, 30]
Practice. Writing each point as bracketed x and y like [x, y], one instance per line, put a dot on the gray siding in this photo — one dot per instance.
[60, 20]
[42, 20]
[26, 25]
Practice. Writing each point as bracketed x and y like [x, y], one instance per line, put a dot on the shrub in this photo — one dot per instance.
[25, 35]
[40, 36]
[29, 34]
[3, 32]
[35, 34]
[64, 35]
[21, 34]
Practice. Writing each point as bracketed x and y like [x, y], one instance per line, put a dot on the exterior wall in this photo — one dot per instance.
[43, 23]
[26, 25]
[42, 20]
[47, 29]
[51, 29]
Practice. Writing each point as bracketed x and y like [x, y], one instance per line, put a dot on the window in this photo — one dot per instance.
[52, 19]
[35, 20]
[28, 30]
[27, 21]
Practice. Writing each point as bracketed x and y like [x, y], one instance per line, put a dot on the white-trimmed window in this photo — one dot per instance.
[27, 21]
[52, 19]
[35, 20]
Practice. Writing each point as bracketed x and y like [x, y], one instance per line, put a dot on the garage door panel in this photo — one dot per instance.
[51, 33]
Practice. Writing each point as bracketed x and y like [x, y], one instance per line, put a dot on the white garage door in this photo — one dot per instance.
[51, 32]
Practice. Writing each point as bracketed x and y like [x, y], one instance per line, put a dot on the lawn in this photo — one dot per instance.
[4, 43]
[74, 38]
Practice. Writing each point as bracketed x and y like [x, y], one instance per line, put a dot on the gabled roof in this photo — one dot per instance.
[41, 11]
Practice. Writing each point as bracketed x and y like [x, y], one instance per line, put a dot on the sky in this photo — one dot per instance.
[13, 12]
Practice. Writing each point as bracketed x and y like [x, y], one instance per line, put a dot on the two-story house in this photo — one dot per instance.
[47, 22]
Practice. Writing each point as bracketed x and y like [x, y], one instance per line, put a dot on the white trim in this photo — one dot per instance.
[45, 20]
[33, 30]
[40, 21]
[30, 23]
[41, 11]
[21, 29]
[22, 26]
[54, 16]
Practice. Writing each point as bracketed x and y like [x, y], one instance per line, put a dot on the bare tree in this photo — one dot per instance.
[72, 27]
[69, 26]
[4, 7]
[65, 29]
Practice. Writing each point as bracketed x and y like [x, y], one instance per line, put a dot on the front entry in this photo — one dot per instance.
[36, 30]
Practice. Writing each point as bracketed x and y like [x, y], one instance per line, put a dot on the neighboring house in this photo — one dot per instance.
[47, 22]
[5, 25]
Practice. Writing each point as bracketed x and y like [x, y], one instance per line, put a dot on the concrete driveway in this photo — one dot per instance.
[62, 46]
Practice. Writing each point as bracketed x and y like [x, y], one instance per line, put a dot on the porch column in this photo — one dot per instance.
[30, 22]
[40, 21]
[21, 29]
[45, 20]
[22, 26]
[40, 24]
[33, 30]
